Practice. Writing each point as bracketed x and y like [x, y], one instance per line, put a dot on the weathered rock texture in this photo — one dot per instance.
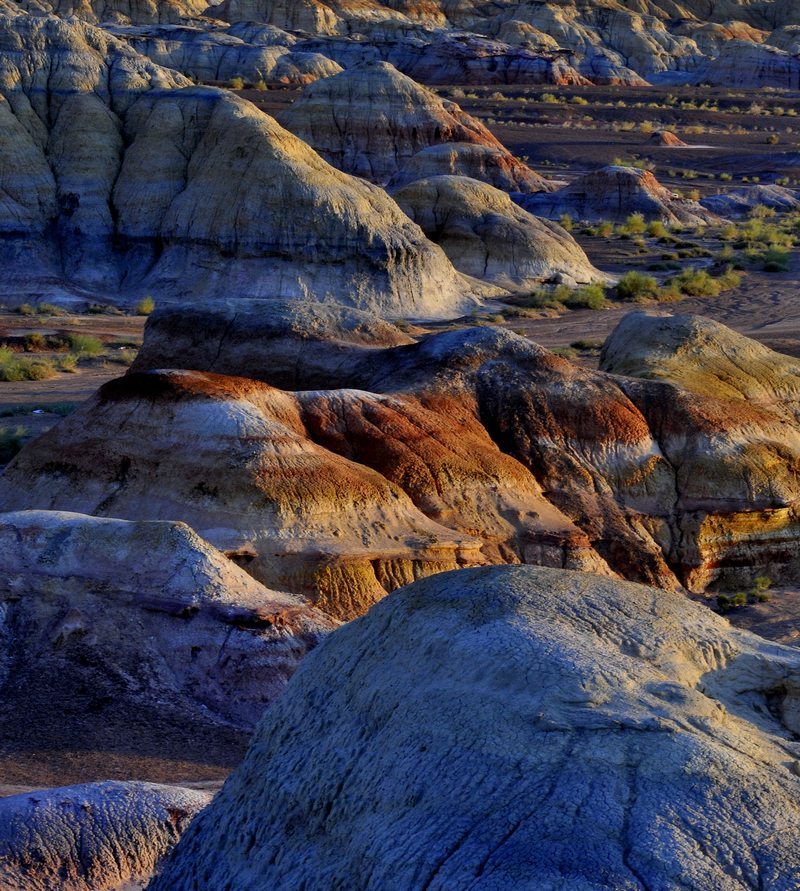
[517, 728]
[102, 616]
[469, 446]
[486, 163]
[486, 235]
[740, 203]
[338, 495]
[741, 443]
[221, 56]
[96, 837]
[753, 66]
[667, 138]
[370, 119]
[614, 193]
[117, 177]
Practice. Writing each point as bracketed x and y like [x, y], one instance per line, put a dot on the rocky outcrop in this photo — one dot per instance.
[95, 837]
[615, 193]
[192, 620]
[741, 444]
[667, 139]
[220, 56]
[486, 163]
[337, 495]
[124, 12]
[371, 119]
[646, 473]
[740, 203]
[486, 235]
[751, 66]
[551, 729]
[119, 178]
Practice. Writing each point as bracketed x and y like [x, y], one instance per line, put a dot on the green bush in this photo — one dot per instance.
[636, 286]
[16, 368]
[776, 259]
[145, 306]
[50, 309]
[85, 345]
[25, 309]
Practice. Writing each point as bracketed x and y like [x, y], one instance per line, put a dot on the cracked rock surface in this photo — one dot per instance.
[517, 728]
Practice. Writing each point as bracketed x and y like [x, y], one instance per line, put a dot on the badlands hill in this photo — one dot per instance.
[517, 728]
[204, 648]
[106, 836]
[629, 42]
[344, 487]
[119, 177]
[371, 119]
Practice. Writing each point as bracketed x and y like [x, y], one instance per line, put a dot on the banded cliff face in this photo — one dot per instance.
[338, 495]
[120, 177]
[467, 447]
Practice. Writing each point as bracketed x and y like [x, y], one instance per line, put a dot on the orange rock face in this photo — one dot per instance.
[465, 448]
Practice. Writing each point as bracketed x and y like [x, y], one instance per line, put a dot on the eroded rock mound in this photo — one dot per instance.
[614, 193]
[752, 66]
[140, 625]
[482, 162]
[118, 177]
[667, 139]
[96, 837]
[370, 119]
[551, 729]
[487, 236]
[207, 55]
[740, 203]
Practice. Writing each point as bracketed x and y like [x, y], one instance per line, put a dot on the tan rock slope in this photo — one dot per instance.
[517, 728]
[338, 495]
[106, 836]
[119, 178]
[140, 631]
[370, 119]
[613, 193]
[486, 235]
[467, 447]
[486, 163]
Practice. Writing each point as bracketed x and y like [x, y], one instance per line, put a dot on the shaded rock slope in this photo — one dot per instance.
[467, 447]
[106, 836]
[517, 728]
[486, 235]
[614, 193]
[129, 623]
[118, 177]
[370, 119]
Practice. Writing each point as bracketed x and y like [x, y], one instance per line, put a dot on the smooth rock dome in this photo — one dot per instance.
[517, 728]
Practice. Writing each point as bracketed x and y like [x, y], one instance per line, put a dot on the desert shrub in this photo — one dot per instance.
[16, 368]
[566, 222]
[25, 309]
[587, 345]
[588, 297]
[656, 229]
[236, 83]
[636, 286]
[50, 309]
[145, 306]
[776, 259]
[260, 85]
[35, 343]
[635, 224]
[696, 283]
[68, 363]
[772, 139]
[549, 98]
[565, 352]
[85, 345]
[11, 439]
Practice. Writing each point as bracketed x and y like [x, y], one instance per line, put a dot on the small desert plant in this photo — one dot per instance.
[85, 345]
[68, 363]
[236, 83]
[145, 306]
[636, 286]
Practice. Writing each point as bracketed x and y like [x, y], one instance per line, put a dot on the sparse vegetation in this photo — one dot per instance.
[145, 306]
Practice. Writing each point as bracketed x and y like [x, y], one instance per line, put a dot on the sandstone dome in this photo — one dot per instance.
[613, 193]
[517, 728]
[143, 631]
[106, 188]
[106, 836]
[487, 236]
[740, 203]
[370, 119]
[667, 139]
[486, 163]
